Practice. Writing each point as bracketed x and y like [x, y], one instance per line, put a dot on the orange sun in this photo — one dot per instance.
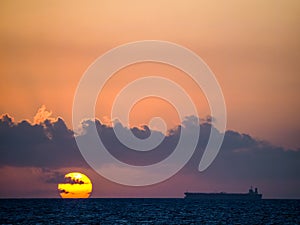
[77, 185]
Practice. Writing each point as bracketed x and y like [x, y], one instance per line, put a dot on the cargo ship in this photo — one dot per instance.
[251, 195]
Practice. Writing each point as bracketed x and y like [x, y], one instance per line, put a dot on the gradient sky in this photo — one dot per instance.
[252, 47]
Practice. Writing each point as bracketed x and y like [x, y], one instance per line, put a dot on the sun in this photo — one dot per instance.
[76, 185]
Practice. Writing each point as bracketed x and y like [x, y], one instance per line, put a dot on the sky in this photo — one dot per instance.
[251, 46]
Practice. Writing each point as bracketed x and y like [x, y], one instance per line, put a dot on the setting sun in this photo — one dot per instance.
[77, 185]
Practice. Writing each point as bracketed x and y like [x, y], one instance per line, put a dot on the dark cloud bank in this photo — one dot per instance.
[242, 160]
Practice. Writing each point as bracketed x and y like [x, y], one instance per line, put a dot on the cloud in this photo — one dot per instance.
[63, 191]
[52, 176]
[44, 145]
[71, 180]
[241, 162]
[42, 115]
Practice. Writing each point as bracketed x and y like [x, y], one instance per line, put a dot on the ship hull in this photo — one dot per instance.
[225, 196]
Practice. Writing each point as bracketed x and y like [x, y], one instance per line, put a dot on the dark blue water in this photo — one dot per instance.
[148, 211]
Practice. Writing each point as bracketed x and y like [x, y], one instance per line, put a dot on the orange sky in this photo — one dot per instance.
[252, 47]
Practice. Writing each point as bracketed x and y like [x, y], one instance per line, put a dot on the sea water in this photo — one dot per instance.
[148, 211]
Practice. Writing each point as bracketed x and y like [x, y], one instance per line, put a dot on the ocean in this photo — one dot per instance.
[148, 211]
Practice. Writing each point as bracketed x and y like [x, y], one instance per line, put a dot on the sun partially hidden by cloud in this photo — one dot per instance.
[77, 185]
[41, 115]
